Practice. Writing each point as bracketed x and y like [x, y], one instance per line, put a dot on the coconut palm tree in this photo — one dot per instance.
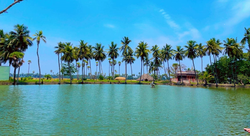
[109, 59]
[68, 56]
[17, 59]
[142, 52]
[234, 52]
[191, 53]
[86, 64]
[124, 48]
[99, 54]
[201, 52]
[179, 55]
[58, 51]
[167, 53]
[6, 48]
[96, 68]
[83, 53]
[29, 61]
[146, 63]
[38, 37]
[130, 59]
[156, 58]
[76, 57]
[246, 38]
[78, 65]
[60, 46]
[90, 57]
[113, 54]
[119, 62]
[175, 66]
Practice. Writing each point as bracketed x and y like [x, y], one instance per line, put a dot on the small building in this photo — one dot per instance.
[186, 76]
[4, 73]
[145, 77]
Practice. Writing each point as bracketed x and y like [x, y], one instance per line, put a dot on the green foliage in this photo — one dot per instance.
[243, 79]
[48, 76]
[109, 77]
[205, 77]
[65, 69]
[101, 77]
[117, 75]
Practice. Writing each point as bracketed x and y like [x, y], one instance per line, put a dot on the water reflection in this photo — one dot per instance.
[122, 109]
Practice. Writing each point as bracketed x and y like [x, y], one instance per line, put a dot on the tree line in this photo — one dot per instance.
[14, 43]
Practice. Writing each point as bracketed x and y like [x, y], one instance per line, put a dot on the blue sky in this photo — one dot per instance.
[155, 22]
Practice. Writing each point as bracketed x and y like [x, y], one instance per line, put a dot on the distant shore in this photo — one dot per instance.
[93, 81]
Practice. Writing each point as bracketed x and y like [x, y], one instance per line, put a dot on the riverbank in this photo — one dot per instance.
[93, 81]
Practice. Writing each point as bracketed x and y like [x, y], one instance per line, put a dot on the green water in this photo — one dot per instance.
[122, 110]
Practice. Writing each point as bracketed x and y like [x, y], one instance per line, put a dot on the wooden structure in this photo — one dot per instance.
[187, 76]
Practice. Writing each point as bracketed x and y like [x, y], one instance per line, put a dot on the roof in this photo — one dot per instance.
[146, 76]
[120, 78]
[186, 73]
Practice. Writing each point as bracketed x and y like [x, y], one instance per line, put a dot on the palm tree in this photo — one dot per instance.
[175, 66]
[113, 54]
[129, 59]
[17, 59]
[234, 52]
[146, 63]
[86, 62]
[90, 56]
[191, 53]
[76, 57]
[125, 41]
[119, 62]
[109, 59]
[179, 55]
[152, 69]
[142, 51]
[29, 61]
[246, 38]
[167, 54]
[38, 37]
[99, 54]
[68, 56]
[83, 53]
[78, 65]
[59, 50]
[96, 68]
[201, 52]
[6, 47]
[157, 58]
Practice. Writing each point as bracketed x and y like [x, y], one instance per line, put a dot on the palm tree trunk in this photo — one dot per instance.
[61, 66]
[215, 71]
[70, 73]
[232, 72]
[59, 70]
[201, 65]
[125, 72]
[113, 73]
[99, 67]
[235, 65]
[164, 67]
[195, 72]
[131, 70]
[212, 67]
[28, 69]
[141, 70]
[14, 76]
[180, 71]
[119, 71]
[38, 63]
[18, 74]
[90, 68]
[169, 71]
[77, 71]
[82, 70]
[109, 69]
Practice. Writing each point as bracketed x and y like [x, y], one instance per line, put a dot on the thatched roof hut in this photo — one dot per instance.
[146, 77]
[120, 78]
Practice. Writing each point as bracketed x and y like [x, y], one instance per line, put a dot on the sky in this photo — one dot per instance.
[155, 22]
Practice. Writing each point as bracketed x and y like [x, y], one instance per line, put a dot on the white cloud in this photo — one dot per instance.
[109, 26]
[170, 22]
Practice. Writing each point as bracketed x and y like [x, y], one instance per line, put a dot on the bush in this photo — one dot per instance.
[48, 76]
[84, 78]
[117, 75]
[101, 77]
[109, 77]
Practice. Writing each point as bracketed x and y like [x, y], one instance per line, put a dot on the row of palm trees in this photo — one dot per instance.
[192, 51]
[15, 43]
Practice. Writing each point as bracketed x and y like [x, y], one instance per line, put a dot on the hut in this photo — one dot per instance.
[145, 77]
[186, 76]
[120, 78]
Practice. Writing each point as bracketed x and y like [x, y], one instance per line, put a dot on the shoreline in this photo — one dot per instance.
[110, 82]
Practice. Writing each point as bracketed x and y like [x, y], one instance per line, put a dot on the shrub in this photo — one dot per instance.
[101, 77]
[84, 78]
[109, 77]
[48, 76]
[117, 75]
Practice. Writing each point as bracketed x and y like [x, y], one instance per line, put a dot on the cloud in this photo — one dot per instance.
[168, 19]
[109, 26]
[240, 11]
